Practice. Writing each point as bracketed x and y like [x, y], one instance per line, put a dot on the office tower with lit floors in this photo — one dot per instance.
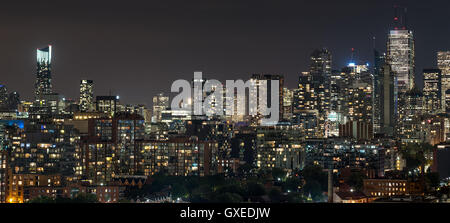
[86, 96]
[401, 57]
[43, 84]
[432, 90]
[443, 64]
[160, 103]
[259, 80]
[107, 104]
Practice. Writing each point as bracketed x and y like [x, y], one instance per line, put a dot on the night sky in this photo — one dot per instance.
[138, 48]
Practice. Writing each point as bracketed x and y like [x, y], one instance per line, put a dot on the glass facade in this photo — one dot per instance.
[43, 83]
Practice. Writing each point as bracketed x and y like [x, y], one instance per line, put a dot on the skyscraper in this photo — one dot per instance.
[287, 103]
[400, 55]
[3, 96]
[259, 78]
[320, 71]
[410, 126]
[312, 99]
[160, 103]
[86, 95]
[388, 109]
[432, 91]
[400, 52]
[377, 86]
[443, 63]
[320, 62]
[43, 84]
[107, 104]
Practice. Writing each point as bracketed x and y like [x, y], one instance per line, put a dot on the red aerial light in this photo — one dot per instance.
[396, 18]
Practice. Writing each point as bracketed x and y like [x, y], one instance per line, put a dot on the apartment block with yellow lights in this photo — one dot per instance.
[391, 187]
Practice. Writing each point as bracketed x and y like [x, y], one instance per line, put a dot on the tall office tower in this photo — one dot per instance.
[3, 96]
[160, 103]
[443, 63]
[214, 106]
[13, 101]
[107, 104]
[388, 109]
[410, 127]
[287, 103]
[43, 84]
[86, 95]
[320, 70]
[377, 83]
[400, 56]
[320, 63]
[432, 90]
[268, 88]
[335, 88]
[400, 53]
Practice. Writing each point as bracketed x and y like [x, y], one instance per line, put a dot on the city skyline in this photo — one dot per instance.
[253, 102]
[181, 47]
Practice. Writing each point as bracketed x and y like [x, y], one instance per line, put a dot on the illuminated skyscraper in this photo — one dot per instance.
[259, 78]
[107, 104]
[287, 103]
[377, 85]
[312, 99]
[320, 71]
[320, 63]
[43, 84]
[443, 63]
[432, 91]
[86, 95]
[400, 52]
[309, 111]
[410, 126]
[400, 55]
[3, 96]
[160, 103]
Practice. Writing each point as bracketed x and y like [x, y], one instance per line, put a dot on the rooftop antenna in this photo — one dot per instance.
[374, 42]
[399, 17]
[352, 55]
